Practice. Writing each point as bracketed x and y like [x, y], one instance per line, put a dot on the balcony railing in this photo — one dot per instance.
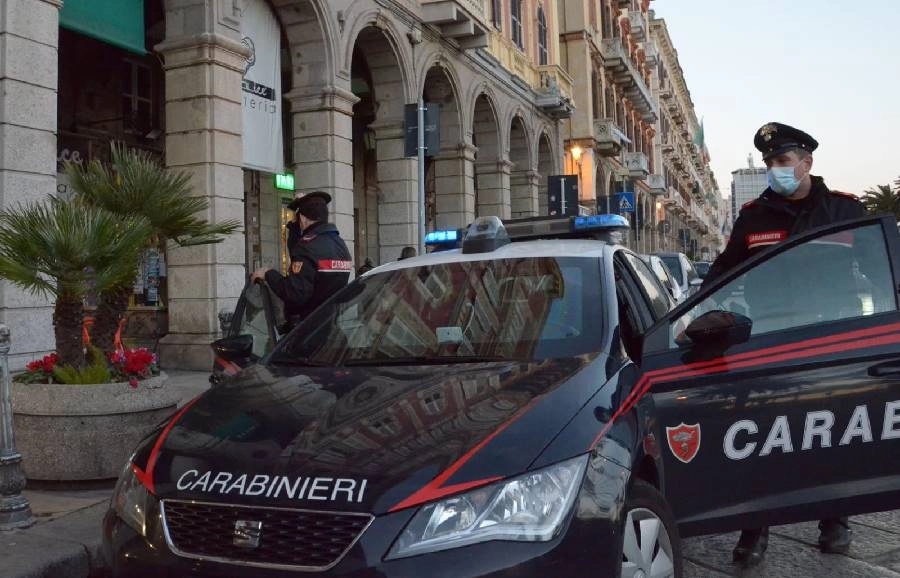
[555, 93]
[607, 137]
[651, 53]
[674, 202]
[462, 20]
[618, 62]
[657, 184]
[638, 27]
[638, 165]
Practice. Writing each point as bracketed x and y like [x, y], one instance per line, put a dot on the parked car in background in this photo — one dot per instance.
[684, 272]
[702, 268]
[659, 268]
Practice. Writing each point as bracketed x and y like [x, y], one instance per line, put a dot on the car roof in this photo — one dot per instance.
[578, 248]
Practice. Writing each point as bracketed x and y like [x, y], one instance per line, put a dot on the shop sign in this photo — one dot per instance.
[261, 89]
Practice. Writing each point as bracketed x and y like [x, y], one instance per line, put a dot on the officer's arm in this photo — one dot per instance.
[297, 287]
[734, 254]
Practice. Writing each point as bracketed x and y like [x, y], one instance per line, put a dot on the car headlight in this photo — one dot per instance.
[529, 508]
[131, 499]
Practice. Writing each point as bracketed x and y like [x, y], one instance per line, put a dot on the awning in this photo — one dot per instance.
[117, 22]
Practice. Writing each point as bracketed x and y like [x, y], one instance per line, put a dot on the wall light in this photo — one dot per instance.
[576, 153]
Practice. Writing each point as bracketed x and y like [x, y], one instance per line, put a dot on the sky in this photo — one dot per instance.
[828, 67]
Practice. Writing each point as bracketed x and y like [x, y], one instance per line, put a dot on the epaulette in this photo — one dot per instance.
[843, 194]
[748, 204]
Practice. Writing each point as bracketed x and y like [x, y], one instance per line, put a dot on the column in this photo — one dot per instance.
[203, 138]
[455, 187]
[323, 150]
[29, 34]
[398, 213]
[492, 188]
[523, 187]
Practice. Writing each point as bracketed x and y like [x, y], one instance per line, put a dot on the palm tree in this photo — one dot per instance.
[135, 185]
[882, 200]
[56, 249]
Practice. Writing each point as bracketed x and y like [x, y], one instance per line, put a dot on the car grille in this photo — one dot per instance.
[289, 539]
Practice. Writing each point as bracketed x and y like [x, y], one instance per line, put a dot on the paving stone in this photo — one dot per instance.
[868, 542]
[887, 521]
[27, 555]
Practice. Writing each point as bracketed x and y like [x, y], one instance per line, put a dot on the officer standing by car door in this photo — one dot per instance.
[320, 261]
[794, 202]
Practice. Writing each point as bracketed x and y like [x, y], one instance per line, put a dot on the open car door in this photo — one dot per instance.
[253, 332]
[777, 387]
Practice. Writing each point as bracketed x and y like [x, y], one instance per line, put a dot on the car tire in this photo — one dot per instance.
[651, 547]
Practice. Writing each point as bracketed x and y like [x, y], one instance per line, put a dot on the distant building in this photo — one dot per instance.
[746, 185]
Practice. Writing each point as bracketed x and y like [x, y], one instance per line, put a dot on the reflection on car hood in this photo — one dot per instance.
[367, 438]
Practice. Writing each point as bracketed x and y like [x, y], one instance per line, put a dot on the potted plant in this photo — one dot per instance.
[81, 410]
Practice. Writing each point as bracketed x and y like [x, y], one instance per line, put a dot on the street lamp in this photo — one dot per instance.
[15, 512]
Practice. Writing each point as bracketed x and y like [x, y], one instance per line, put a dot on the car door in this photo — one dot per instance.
[783, 405]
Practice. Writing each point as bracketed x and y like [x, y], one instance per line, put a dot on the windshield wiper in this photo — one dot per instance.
[424, 360]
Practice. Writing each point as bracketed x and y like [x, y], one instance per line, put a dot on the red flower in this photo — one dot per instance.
[133, 382]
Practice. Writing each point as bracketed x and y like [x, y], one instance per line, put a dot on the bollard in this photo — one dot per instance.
[15, 512]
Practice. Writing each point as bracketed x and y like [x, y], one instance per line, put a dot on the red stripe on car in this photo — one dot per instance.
[146, 476]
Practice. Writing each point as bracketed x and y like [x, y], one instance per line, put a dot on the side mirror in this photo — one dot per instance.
[719, 328]
[235, 349]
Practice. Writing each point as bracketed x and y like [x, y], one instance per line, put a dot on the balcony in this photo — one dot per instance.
[674, 202]
[461, 20]
[638, 165]
[666, 93]
[607, 137]
[651, 53]
[638, 27]
[618, 62]
[554, 94]
[657, 184]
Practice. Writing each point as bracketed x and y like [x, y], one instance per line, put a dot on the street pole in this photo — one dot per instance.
[15, 512]
[420, 148]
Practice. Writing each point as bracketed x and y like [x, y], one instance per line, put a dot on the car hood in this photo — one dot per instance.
[372, 439]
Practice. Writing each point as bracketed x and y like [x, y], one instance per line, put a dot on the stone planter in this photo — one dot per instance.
[85, 432]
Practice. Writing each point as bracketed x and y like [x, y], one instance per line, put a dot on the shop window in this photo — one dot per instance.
[543, 56]
[137, 97]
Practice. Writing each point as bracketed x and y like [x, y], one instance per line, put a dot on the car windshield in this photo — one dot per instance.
[505, 309]
[702, 268]
[674, 265]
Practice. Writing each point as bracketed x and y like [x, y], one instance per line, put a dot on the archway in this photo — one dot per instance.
[384, 210]
[452, 195]
[523, 183]
[491, 173]
[545, 169]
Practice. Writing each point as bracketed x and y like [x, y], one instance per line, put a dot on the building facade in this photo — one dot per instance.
[746, 185]
[344, 70]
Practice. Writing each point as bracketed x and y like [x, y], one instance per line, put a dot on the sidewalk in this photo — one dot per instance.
[65, 541]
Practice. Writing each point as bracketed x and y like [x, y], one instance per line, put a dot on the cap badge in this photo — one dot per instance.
[767, 131]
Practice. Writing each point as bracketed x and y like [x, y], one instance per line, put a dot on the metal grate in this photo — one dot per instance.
[289, 539]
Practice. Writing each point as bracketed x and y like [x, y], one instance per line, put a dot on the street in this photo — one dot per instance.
[793, 551]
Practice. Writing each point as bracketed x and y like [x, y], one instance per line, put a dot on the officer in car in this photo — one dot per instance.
[794, 202]
[320, 261]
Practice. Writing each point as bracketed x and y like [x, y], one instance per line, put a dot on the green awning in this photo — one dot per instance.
[118, 22]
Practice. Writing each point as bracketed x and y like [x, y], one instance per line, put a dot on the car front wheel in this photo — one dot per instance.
[650, 544]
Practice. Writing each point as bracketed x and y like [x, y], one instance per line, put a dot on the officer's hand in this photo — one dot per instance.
[258, 275]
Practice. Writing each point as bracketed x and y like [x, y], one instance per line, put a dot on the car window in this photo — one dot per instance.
[839, 276]
[522, 309]
[653, 290]
[691, 272]
[252, 320]
[674, 265]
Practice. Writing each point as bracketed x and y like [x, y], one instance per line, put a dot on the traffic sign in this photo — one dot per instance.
[625, 202]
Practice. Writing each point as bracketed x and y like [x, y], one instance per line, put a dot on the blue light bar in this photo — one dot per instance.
[594, 222]
[442, 237]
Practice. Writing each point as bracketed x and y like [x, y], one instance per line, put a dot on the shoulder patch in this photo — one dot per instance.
[308, 238]
[748, 204]
[845, 195]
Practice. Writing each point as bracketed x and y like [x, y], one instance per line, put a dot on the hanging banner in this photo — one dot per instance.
[263, 146]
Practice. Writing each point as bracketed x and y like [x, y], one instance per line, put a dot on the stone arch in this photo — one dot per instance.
[310, 37]
[450, 196]
[385, 213]
[374, 20]
[491, 170]
[523, 180]
[545, 167]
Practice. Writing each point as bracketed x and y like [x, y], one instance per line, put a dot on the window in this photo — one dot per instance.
[653, 290]
[543, 57]
[497, 14]
[515, 10]
[844, 275]
[137, 97]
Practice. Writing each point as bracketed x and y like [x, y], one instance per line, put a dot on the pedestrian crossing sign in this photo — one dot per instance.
[625, 202]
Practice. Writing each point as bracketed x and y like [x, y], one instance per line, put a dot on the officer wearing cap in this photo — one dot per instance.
[794, 202]
[320, 261]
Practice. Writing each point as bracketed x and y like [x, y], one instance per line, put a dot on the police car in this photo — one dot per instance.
[531, 404]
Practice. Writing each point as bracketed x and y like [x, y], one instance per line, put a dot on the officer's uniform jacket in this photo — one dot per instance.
[320, 266]
[770, 219]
